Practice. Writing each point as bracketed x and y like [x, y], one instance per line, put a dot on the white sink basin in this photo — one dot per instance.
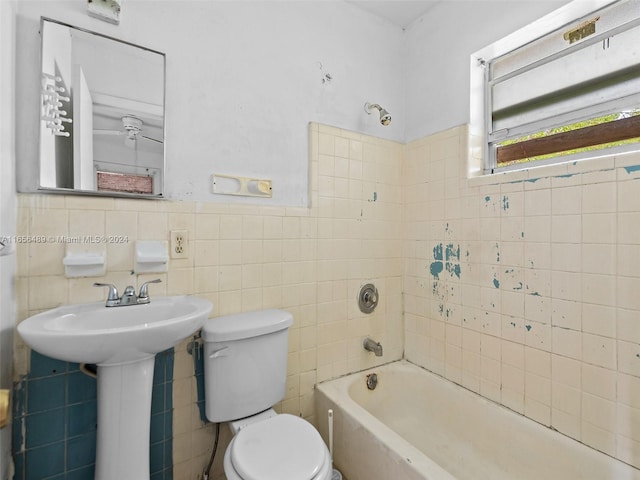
[123, 342]
[93, 333]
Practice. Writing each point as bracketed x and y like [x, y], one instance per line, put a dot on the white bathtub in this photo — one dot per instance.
[417, 425]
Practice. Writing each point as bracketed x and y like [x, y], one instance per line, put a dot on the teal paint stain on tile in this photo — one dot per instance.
[452, 252]
[505, 203]
[487, 199]
[452, 257]
[456, 270]
[633, 168]
[519, 287]
[535, 294]
[446, 258]
[496, 283]
[528, 327]
[532, 180]
[436, 268]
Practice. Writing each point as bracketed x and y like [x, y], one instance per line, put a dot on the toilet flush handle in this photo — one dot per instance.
[220, 352]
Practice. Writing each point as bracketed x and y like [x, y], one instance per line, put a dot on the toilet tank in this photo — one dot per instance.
[245, 363]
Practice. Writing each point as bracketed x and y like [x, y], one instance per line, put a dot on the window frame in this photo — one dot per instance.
[483, 141]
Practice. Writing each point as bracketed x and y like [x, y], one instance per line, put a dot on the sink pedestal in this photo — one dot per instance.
[124, 420]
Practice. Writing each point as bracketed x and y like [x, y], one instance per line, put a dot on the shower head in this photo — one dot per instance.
[385, 118]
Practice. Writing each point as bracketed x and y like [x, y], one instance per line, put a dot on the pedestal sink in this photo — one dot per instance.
[123, 342]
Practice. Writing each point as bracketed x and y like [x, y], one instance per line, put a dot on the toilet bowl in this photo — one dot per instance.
[245, 376]
[282, 447]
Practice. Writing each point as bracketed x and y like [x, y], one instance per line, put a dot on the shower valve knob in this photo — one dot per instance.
[368, 298]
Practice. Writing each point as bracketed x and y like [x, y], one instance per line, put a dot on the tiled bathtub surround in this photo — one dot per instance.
[310, 261]
[524, 286]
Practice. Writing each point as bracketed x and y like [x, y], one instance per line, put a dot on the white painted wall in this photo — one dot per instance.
[439, 45]
[244, 79]
[7, 217]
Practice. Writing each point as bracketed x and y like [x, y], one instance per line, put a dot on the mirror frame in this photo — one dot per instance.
[73, 191]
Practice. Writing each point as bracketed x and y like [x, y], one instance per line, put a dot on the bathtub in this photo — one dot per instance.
[416, 425]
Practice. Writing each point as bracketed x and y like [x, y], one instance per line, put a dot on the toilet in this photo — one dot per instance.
[245, 368]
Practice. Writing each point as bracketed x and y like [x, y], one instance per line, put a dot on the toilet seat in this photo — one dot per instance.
[284, 447]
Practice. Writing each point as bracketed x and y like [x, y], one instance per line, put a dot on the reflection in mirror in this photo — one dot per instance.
[102, 114]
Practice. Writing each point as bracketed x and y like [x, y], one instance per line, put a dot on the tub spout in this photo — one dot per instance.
[373, 346]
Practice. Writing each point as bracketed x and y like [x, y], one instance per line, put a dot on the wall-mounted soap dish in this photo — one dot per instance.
[84, 264]
[151, 256]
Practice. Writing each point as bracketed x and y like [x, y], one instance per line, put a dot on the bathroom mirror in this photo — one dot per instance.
[101, 114]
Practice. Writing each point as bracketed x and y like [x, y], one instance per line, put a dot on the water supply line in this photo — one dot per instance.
[207, 471]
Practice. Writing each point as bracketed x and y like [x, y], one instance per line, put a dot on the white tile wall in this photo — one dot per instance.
[548, 287]
[308, 261]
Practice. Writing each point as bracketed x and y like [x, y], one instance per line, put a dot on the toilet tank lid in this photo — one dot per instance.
[245, 325]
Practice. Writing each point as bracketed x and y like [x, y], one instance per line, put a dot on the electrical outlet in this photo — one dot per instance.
[179, 244]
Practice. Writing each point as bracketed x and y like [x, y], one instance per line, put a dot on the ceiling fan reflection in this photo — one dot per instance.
[132, 128]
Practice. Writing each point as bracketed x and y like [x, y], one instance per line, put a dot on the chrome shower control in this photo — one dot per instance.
[368, 298]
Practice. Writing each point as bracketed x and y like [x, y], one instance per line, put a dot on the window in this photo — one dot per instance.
[565, 94]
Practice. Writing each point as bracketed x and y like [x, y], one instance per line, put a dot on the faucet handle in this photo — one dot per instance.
[113, 291]
[144, 289]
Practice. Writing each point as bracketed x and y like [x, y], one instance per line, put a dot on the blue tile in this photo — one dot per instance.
[157, 399]
[168, 453]
[168, 473]
[82, 418]
[18, 465]
[45, 462]
[81, 387]
[81, 451]
[156, 457]
[157, 428]
[55, 477]
[46, 393]
[42, 366]
[169, 365]
[73, 367]
[57, 406]
[16, 434]
[168, 424]
[46, 427]
[168, 397]
[84, 473]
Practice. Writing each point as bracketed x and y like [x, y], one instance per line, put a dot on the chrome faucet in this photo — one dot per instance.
[373, 346]
[129, 296]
